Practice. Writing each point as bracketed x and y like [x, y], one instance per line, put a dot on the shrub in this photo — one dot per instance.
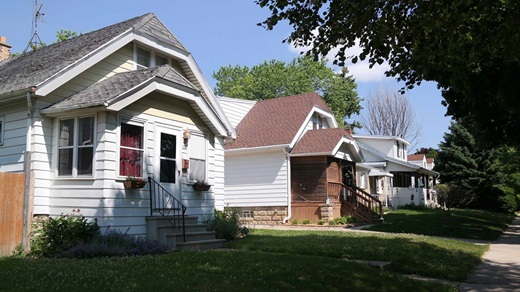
[412, 206]
[295, 222]
[332, 223]
[306, 221]
[115, 243]
[340, 221]
[321, 222]
[227, 224]
[56, 235]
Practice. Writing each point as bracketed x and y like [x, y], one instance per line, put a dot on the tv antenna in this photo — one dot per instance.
[35, 42]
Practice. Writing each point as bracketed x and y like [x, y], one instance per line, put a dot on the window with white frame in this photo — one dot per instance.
[198, 155]
[318, 122]
[2, 126]
[143, 58]
[131, 149]
[76, 146]
[362, 180]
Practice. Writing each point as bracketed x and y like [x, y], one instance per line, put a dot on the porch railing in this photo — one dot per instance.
[164, 203]
[358, 201]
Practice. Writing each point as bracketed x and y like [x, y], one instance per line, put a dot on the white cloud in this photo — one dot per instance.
[361, 70]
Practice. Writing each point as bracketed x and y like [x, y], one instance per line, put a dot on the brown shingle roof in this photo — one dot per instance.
[275, 121]
[320, 141]
[429, 160]
[415, 157]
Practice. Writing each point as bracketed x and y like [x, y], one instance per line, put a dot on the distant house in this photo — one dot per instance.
[291, 161]
[81, 118]
[391, 176]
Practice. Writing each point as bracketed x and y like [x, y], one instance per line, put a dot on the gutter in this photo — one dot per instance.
[265, 148]
[289, 199]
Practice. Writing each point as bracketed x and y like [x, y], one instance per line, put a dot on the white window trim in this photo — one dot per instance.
[153, 55]
[2, 129]
[136, 122]
[75, 174]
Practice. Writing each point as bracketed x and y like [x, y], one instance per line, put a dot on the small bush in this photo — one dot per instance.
[321, 222]
[227, 224]
[306, 222]
[332, 223]
[115, 243]
[412, 206]
[340, 220]
[56, 235]
[295, 222]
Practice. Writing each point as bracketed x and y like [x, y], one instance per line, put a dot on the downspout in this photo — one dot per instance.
[27, 194]
[289, 199]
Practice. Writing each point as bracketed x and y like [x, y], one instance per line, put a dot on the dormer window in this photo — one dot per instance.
[400, 149]
[143, 58]
[160, 60]
[318, 122]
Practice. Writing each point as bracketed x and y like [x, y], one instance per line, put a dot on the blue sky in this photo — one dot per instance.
[217, 33]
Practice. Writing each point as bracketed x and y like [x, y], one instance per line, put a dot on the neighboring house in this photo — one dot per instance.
[392, 178]
[289, 161]
[82, 116]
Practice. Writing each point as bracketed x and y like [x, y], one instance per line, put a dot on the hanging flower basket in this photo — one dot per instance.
[134, 183]
[201, 186]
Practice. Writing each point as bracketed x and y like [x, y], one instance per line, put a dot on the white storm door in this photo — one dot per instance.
[168, 158]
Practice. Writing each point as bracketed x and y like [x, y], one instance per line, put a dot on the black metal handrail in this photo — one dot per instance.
[164, 203]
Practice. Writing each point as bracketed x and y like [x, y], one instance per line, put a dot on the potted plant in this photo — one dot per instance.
[201, 186]
[134, 182]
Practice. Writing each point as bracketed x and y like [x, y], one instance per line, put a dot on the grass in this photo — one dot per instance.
[202, 271]
[410, 254]
[472, 224]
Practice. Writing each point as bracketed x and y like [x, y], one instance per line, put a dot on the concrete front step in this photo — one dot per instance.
[193, 236]
[200, 245]
[188, 219]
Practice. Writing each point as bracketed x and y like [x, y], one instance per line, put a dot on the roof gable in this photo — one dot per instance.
[276, 121]
[107, 91]
[32, 68]
[326, 142]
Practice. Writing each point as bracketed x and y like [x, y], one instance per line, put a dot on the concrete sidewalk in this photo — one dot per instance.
[500, 267]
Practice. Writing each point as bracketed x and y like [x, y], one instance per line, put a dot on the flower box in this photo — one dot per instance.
[134, 183]
[201, 187]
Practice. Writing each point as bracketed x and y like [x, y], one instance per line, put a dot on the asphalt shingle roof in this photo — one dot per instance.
[275, 121]
[34, 67]
[320, 141]
[100, 93]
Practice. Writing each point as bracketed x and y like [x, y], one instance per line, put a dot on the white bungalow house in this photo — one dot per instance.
[391, 177]
[81, 117]
[291, 161]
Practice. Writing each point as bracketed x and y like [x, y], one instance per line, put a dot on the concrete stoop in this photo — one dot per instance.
[197, 237]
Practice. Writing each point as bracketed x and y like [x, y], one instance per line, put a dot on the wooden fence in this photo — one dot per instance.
[11, 211]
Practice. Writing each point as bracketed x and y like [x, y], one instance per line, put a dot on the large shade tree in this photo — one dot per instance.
[470, 48]
[274, 78]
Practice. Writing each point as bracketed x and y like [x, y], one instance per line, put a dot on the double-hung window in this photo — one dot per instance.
[76, 146]
[198, 154]
[131, 149]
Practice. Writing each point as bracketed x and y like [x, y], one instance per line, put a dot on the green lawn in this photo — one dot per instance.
[472, 224]
[410, 254]
[202, 271]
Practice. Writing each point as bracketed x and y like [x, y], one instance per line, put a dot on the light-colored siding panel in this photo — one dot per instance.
[256, 179]
[235, 109]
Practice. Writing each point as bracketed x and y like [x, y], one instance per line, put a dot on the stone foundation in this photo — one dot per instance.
[251, 216]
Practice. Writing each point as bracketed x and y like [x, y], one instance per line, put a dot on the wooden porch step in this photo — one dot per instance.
[201, 244]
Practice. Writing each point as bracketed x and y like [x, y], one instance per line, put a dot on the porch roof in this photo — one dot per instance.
[106, 91]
